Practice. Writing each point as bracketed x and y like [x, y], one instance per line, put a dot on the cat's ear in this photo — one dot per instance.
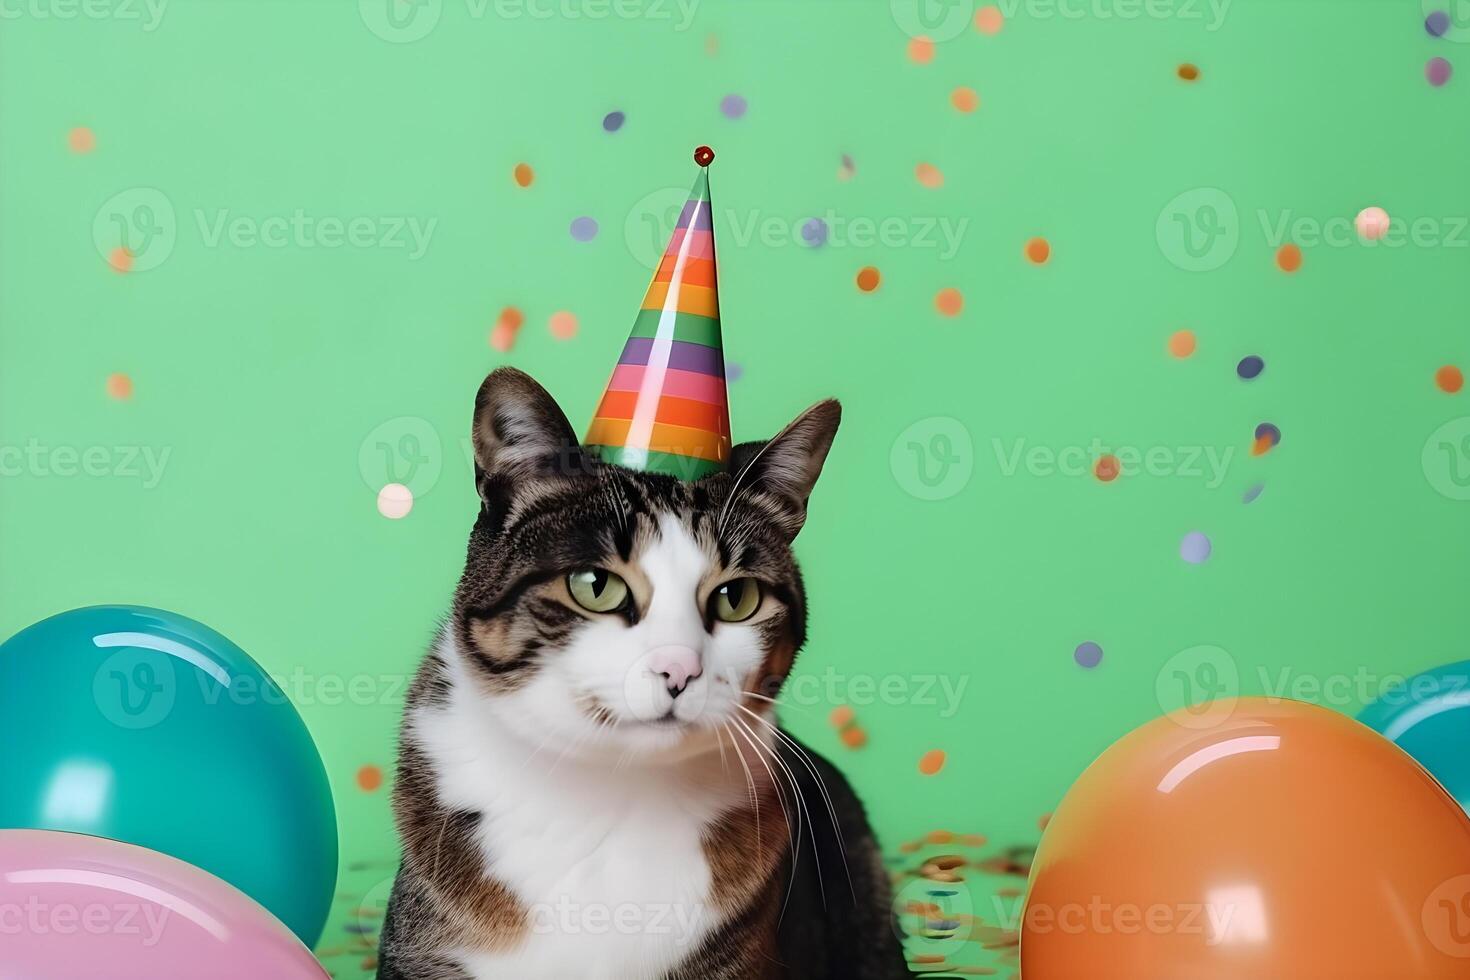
[786, 468]
[519, 433]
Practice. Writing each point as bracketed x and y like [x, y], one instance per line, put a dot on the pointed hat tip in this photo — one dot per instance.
[704, 156]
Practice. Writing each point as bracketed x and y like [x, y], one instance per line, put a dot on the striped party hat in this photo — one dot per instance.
[666, 410]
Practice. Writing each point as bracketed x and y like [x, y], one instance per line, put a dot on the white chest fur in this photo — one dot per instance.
[607, 861]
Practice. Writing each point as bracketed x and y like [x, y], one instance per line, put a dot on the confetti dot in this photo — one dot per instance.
[119, 386]
[1437, 23]
[868, 279]
[1372, 223]
[1188, 72]
[929, 175]
[846, 170]
[395, 501]
[369, 778]
[734, 106]
[921, 50]
[503, 334]
[854, 737]
[563, 325]
[733, 372]
[1250, 367]
[989, 20]
[613, 121]
[1038, 250]
[1195, 548]
[524, 175]
[1088, 655]
[81, 140]
[1437, 70]
[1449, 379]
[120, 259]
[965, 99]
[1289, 257]
[814, 232]
[584, 229]
[930, 763]
[1268, 432]
[1107, 468]
[1181, 343]
[841, 716]
[1252, 493]
[949, 302]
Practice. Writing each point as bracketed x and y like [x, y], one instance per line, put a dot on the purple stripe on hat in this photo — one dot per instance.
[698, 212]
[681, 356]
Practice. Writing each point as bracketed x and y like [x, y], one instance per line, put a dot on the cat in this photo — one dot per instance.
[591, 782]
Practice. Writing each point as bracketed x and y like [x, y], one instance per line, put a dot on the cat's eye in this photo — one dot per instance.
[598, 590]
[737, 600]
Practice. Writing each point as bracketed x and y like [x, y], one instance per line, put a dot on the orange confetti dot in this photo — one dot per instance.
[1181, 343]
[120, 386]
[1107, 468]
[989, 20]
[1188, 72]
[563, 325]
[1261, 446]
[524, 174]
[868, 279]
[965, 99]
[908, 846]
[1289, 257]
[512, 317]
[949, 302]
[931, 762]
[711, 45]
[81, 140]
[841, 716]
[120, 259]
[369, 778]
[921, 50]
[1449, 378]
[854, 737]
[1038, 250]
[929, 175]
[939, 836]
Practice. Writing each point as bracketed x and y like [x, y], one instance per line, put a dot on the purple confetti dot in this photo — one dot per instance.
[1437, 23]
[815, 232]
[1267, 429]
[733, 106]
[733, 371]
[1250, 367]
[1195, 547]
[1437, 70]
[1088, 654]
[584, 229]
[1252, 493]
[613, 121]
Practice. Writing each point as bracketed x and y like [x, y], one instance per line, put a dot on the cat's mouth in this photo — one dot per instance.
[606, 717]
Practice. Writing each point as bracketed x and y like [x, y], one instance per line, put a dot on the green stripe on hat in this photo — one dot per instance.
[688, 327]
[686, 468]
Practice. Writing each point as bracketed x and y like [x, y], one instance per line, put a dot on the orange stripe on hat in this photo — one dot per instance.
[697, 272]
[671, 410]
[676, 440]
[699, 300]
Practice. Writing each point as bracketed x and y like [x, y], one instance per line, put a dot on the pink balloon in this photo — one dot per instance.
[73, 906]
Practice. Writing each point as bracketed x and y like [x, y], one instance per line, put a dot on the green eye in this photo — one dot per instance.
[737, 601]
[597, 589]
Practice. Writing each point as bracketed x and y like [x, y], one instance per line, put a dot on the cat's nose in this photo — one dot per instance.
[677, 666]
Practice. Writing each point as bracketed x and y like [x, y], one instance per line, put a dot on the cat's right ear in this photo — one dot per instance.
[520, 434]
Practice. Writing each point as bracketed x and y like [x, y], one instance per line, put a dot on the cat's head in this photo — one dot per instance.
[608, 611]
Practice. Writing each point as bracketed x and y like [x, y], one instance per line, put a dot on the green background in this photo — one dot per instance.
[270, 374]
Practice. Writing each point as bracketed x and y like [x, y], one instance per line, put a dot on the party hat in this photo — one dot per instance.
[666, 409]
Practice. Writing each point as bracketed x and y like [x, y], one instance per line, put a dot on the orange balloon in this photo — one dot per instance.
[1251, 838]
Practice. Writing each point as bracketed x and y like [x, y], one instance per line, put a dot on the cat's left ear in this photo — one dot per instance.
[787, 466]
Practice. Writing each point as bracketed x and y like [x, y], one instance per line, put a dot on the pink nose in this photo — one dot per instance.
[676, 665]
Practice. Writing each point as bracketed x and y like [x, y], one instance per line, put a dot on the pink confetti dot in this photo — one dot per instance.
[395, 501]
[563, 325]
[1372, 223]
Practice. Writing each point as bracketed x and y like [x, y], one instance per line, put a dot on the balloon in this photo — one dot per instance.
[147, 727]
[74, 906]
[1428, 717]
[1257, 838]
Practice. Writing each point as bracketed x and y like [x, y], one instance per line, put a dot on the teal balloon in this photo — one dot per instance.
[150, 728]
[1428, 716]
